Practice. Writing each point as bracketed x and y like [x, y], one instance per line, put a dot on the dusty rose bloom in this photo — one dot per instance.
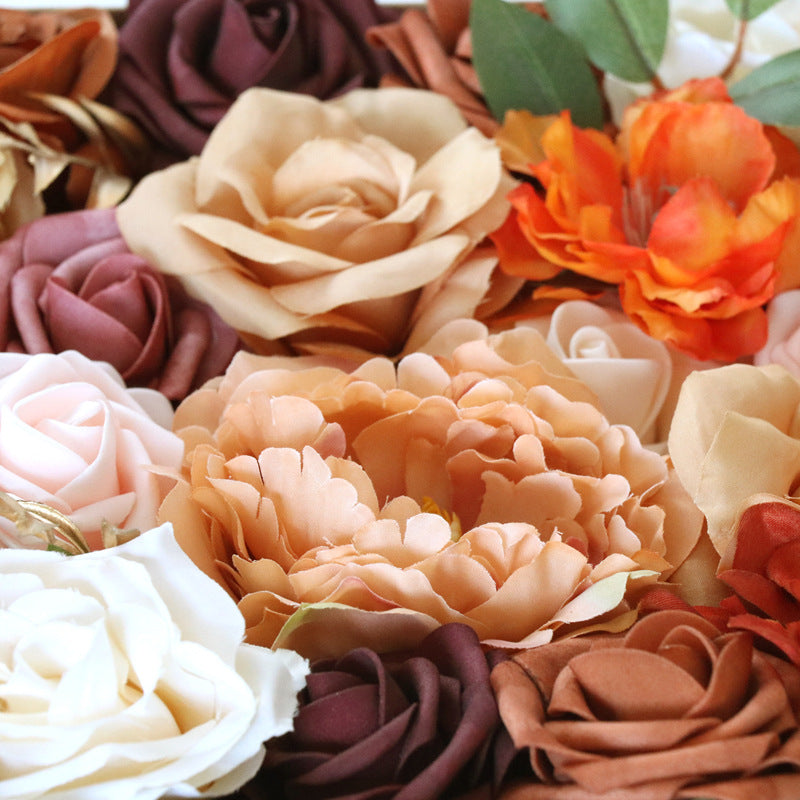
[69, 282]
[477, 486]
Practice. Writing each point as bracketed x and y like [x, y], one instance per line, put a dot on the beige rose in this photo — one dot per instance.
[352, 220]
[479, 485]
[735, 435]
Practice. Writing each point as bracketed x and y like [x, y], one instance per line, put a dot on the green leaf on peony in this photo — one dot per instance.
[600, 597]
[771, 93]
[624, 37]
[54, 548]
[750, 9]
[524, 62]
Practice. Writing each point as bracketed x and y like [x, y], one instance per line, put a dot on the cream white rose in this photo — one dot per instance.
[701, 41]
[123, 675]
[74, 437]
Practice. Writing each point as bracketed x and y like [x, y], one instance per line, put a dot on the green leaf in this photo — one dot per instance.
[749, 9]
[525, 62]
[624, 37]
[771, 93]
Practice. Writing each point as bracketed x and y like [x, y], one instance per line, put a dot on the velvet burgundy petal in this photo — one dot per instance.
[68, 282]
[410, 726]
[183, 62]
[673, 709]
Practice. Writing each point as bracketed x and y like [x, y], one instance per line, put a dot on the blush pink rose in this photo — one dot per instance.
[74, 437]
[69, 282]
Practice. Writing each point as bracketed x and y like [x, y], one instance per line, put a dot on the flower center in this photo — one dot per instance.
[640, 208]
[430, 506]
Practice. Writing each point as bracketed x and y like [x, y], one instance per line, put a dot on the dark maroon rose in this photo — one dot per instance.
[415, 726]
[183, 62]
[69, 282]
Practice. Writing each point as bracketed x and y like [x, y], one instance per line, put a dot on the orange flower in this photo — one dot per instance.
[687, 210]
[473, 483]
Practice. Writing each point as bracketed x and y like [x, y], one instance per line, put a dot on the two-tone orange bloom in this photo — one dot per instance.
[688, 210]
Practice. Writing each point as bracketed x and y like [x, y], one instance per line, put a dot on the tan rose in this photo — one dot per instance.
[673, 710]
[736, 434]
[479, 486]
[352, 220]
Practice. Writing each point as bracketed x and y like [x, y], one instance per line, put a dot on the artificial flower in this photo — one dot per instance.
[434, 48]
[68, 282]
[184, 62]
[690, 231]
[114, 686]
[351, 221]
[53, 66]
[672, 710]
[417, 725]
[783, 339]
[19, 201]
[67, 54]
[473, 483]
[631, 373]
[735, 436]
[74, 437]
[702, 43]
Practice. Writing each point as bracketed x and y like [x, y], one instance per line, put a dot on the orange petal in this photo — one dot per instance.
[669, 146]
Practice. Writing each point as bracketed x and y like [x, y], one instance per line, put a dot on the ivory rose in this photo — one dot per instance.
[701, 41]
[473, 483]
[114, 686]
[350, 221]
[672, 710]
[68, 282]
[783, 338]
[694, 233]
[631, 373]
[74, 437]
[735, 435]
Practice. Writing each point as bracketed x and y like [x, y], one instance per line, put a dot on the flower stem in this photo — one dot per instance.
[737, 51]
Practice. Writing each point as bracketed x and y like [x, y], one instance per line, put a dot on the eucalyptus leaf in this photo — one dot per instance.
[624, 37]
[750, 9]
[771, 93]
[525, 62]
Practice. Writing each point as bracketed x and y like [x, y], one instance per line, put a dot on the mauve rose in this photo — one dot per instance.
[412, 726]
[183, 62]
[69, 282]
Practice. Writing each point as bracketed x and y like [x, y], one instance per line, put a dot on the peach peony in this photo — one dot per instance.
[475, 482]
[352, 220]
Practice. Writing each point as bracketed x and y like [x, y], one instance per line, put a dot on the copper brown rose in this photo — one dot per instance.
[673, 710]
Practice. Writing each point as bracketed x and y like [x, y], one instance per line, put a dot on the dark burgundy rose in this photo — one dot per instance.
[69, 282]
[376, 727]
[183, 62]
